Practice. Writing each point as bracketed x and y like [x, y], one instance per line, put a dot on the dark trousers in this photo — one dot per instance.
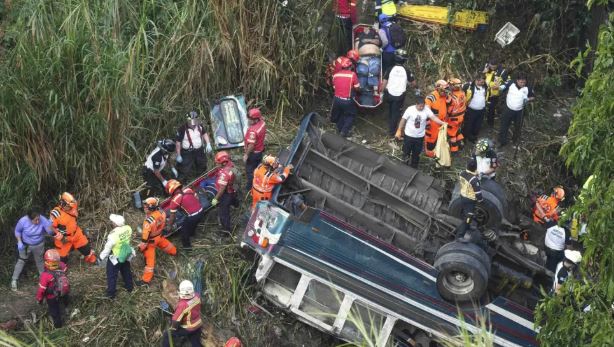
[467, 213]
[387, 60]
[412, 147]
[179, 335]
[54, 308]
[194, 158]
[492, 108]
[553, 258]
[343, 114]
[153, 185]
[188, 228]
[253, 160]
[112, 271]
[508, 117]
[345, 24]
[395, 103]
[223, 209]
[473, 123]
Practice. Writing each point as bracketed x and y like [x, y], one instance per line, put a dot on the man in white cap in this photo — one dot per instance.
[118, 253]
[565, 269]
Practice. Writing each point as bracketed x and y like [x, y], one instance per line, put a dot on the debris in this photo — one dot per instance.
[506, 34]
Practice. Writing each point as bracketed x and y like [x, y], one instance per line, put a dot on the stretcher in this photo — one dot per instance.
[464, 19]
[369, 71]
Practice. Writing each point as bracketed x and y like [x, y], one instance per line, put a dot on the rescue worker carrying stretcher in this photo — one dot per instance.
[437, 101]
[186, 322]
[546, 207]
[268, 175]
[226, 192]
[187, 200]
[68, 234]
[155, 163]
[152, 238]
[471, 195]
[456, 114]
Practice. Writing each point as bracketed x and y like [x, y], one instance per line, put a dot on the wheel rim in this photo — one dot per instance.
[458, 282]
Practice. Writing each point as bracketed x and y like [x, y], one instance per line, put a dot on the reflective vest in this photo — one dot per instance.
[153, 225]
[187, 313]
[437, 104]
[265, 180]
[64, 223]
[458, 104]
[120, 236]
[550, 206]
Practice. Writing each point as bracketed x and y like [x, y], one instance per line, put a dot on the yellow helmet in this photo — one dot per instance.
[270, 161]
[454, 81]
[151, 203]
[172, 185]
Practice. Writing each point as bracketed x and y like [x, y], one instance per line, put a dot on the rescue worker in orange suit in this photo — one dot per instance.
[187, 200]
[345, 11]
[267, 176]
[254, 144]
[67, 233]
[344, 109]
[456, 114]
[186, 322]
[152, 238]
[437, 101]
[546, 207]
[226, 194]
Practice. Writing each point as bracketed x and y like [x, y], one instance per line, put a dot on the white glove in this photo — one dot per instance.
[209, 149]
[179, 159]
[175, 173]
[164, 182]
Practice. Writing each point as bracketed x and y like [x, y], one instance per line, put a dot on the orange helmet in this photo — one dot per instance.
[233, 342]
[254, 113]
[454, 81]
[270, 161]
[151, 203]
[52, 259]
[67, 200]
[559, 193]
[172, 186]
[353, 55]
[441, 84]
[346, 63]
[222, 157]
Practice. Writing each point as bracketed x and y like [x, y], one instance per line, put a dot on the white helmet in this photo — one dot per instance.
[573, 256]
[186, 289]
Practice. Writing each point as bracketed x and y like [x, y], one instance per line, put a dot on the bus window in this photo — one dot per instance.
[281, 283]
[362, 324]
[321, 302]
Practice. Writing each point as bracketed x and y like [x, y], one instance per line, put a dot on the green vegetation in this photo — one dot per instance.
[588, 151]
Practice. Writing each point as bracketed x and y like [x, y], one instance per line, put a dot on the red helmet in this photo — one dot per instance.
[172, 186]
[346, 63]
[233, 342]
[353, 55]
[254, 113]
[52, 259]
[222, 157]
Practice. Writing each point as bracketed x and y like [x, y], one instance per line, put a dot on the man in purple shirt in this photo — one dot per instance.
[30, 234]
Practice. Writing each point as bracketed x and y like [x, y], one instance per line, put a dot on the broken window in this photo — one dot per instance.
[363, 324]
[281, 283]
[321, 302]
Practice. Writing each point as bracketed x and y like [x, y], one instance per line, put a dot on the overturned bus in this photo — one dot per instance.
[363, 247]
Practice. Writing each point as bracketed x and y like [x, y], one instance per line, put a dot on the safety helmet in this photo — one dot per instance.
[186, 289]
[52, 259]
[454, 81]
[483, 145]
[151, 203]
[67, 200]
[191, 115]
[117, 219]
[383, 18]
[573, 256]
[353, 55]
[167, 145]
[222, 157]
[254, 113]
[233, 342]
[559, 193]
[345, 62]
[400, 55]
[270, 161]
[172, 186]
[441, 84]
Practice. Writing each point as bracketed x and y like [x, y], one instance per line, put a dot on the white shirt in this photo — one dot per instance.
[484, 165]
[478, 99]
[156, 160]
[195, 136]
[397, 81]
[555, 238]
[412, 117]
[516, 98]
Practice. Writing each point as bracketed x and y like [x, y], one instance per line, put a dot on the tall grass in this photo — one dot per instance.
[88, 85]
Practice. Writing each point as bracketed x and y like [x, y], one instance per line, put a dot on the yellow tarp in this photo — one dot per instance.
[466, 19]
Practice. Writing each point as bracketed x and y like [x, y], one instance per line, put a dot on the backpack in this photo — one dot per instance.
[125, 251]
[61, 286]
[396, 35]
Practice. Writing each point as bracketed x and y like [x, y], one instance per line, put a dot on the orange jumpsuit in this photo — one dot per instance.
[65, 223]
[437, 104]
[152, 237]
[264, 182]
[550, 206]
[456, 116]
